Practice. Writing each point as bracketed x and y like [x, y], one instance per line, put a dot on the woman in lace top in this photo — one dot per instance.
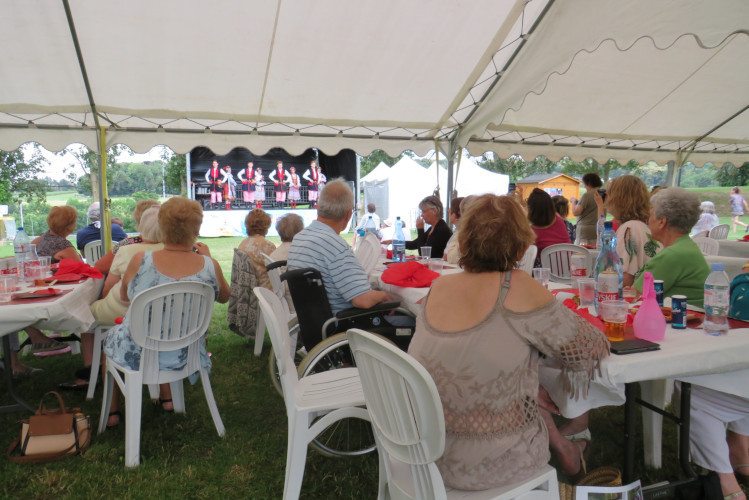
[257, 223]
[480, 334]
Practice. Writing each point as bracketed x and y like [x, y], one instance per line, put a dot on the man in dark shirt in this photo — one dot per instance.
[92, 232]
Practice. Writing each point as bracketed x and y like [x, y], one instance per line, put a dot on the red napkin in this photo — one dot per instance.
[583, 312]
[409, 275]
[745, 238]
[74, 266]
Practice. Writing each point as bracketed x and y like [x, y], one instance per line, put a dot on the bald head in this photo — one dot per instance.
[336, 200]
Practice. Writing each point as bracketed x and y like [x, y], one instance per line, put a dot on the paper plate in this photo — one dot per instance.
[39, 294]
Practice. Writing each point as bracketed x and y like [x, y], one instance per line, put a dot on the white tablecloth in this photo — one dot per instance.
[70, 312]
[733, 248]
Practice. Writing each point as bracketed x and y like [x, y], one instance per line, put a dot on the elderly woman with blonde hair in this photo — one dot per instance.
[287, 227]
[479, 334]
[181, 259]
[257, 223]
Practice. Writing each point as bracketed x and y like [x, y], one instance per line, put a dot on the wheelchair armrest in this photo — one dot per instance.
[359, 311]
[274, 265]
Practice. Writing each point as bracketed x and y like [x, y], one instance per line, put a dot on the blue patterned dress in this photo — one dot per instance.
[119, 345]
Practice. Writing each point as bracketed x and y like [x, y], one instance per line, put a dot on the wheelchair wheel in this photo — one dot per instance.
[275, 378]
[350, 436]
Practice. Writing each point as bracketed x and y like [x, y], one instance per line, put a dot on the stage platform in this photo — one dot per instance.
[231, 222]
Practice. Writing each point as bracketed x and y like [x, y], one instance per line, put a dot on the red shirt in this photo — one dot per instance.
[552, 235]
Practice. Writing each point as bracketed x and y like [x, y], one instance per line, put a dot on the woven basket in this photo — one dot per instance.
[602, 476]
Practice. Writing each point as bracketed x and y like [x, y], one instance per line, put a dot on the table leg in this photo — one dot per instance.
[630, 417]
[20, 404]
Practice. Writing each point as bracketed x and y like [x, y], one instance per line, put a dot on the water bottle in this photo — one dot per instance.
[370, 226]
[608, 269]
[600, 227]
[399, 242]
[649, 322]
[717, 298]
[21, 248]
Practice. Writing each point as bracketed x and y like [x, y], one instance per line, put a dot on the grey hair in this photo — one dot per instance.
[679, 207]
[433, 202]
[94, 212]
[288, 225]
[707, 207]
[336, 199]
[149, 225]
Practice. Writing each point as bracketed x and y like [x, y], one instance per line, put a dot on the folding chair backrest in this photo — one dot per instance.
[368, 252]
[310, 302]
[92, 252]
[169, 317]
[529, 257]
[405, 410]
[719, 232]
[708, 246]
[557, 258]
[277, 320]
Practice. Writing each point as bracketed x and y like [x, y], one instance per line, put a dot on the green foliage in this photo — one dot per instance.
[145, 195]
[18, 178]
[368, 163]
[692, 176]
[176, 173]
[731, 175]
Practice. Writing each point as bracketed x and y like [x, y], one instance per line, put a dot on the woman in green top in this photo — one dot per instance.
[680, 264]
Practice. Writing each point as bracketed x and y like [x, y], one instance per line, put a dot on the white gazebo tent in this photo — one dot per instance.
[659, 80]
[471, 179]
[407, 184]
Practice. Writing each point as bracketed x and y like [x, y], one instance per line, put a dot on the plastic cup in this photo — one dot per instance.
[426, 253]
[629, 295]
[45, 262]
[614, 315]
[542, 275]
[587, 289]
[7, 286]
[437, 265]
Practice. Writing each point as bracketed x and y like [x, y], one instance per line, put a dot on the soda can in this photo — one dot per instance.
[679, 311]
[658, 285]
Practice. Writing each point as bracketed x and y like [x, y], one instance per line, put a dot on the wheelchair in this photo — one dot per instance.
[325, 347]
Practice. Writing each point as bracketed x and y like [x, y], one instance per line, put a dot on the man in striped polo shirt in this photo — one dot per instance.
[321, 247]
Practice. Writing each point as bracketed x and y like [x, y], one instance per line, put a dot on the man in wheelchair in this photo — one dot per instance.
[329, 288]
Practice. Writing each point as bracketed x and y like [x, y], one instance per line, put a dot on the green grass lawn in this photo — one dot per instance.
[182, 456]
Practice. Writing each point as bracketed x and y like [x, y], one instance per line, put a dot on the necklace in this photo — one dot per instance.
[176, 250]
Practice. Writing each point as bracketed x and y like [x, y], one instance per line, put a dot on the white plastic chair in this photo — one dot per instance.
[409, 426]
[708, 246]
[368, 252]
[701, 234]
[719, 232]
[99, 331]
[92, 252]
[331, 395]
[529, 257]
[166, 317]
[557, 258]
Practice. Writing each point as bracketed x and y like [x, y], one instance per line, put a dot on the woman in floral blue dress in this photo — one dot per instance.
[181, 259]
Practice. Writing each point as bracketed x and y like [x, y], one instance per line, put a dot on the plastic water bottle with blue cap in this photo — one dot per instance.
[717, 299]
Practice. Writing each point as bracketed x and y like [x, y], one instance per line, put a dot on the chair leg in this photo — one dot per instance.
[95, 362]
[178, 396]
[106, 401]
[133, 403]
[296, 457]
[208, 390]
[259, 334]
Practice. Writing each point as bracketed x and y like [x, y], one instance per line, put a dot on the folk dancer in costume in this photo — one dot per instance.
[230, 187]
[312, 178]
[247, 178]
[214, 176]
[295, 184]
[279, 178]
[259, 188]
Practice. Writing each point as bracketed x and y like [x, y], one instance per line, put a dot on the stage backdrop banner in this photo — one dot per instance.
[218, 223]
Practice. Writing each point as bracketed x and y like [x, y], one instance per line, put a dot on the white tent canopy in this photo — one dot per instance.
[643, 79]
[399, 194]
[471, 179]
[380, 172]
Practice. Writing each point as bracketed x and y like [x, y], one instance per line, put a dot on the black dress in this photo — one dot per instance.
[437, 238]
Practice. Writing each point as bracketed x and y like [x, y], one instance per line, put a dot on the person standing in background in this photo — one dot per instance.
[214, 177]
[278, 176]
[230, 187]
[247, 178]
[312, 177]
[738, 207]
[295, 185]
[586, 209]
[259, 188]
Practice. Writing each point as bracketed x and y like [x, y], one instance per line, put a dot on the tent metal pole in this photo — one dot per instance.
[104, 200]
[450, 178]
[188, 176]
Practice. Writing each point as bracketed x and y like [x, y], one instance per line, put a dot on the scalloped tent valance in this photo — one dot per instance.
[644, 79]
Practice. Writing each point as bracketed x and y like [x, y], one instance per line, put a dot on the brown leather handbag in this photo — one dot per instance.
[51, 434]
